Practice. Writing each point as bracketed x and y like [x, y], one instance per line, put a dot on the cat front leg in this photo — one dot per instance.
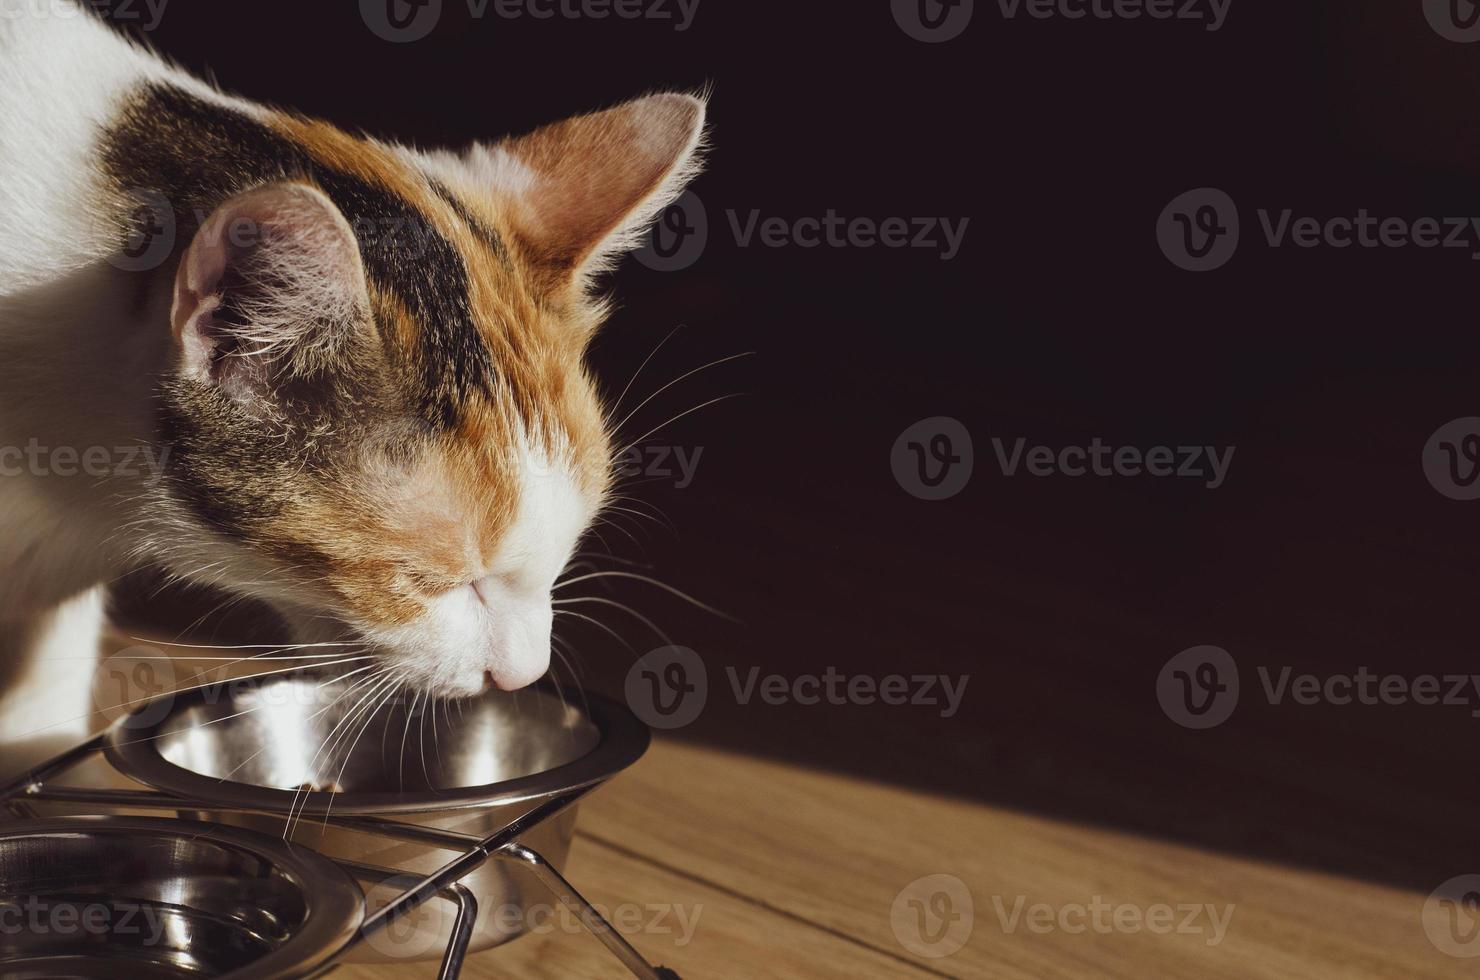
[47, 667]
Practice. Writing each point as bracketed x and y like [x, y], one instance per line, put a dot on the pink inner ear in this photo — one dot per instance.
[286, 263]
[598, 177]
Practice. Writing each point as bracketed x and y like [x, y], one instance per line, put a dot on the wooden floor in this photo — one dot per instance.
[784, 872]
[719, 864]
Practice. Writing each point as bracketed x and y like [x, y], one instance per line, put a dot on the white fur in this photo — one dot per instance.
[48, 706]
[500, 623]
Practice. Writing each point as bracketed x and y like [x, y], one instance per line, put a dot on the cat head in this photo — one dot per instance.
[379, 414]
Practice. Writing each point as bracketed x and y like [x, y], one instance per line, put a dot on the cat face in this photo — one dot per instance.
[379, 415]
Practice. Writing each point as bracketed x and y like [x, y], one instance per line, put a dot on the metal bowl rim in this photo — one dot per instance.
[336, 904]
[623, 740]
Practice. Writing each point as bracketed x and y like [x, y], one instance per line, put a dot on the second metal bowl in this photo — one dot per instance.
[161, 899]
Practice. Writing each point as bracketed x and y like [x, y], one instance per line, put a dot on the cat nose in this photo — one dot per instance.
[516, 636]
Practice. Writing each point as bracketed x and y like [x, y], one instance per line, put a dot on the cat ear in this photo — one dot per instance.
[583, 191]
[268, 289]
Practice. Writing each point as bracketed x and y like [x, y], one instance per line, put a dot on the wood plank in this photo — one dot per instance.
[838, 851]
[728, 936]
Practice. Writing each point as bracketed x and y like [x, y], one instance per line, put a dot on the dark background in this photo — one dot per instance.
[1059, 321]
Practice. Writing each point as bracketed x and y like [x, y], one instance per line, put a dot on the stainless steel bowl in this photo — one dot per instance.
[160, 899]
[472, 766]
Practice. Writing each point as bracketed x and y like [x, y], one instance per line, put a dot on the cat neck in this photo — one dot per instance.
[80, 360]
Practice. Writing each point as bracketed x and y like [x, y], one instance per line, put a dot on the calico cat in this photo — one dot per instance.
[359, 367]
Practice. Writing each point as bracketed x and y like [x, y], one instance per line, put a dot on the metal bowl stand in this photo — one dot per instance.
[472, 853]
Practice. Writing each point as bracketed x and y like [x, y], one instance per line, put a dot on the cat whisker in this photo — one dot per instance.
[618, 405]
[401, 759]
[358, 670]
[367, 685]
[655, 430]
[384, 694]
[620, 561]
[315, 657]
[261, 656]
[643, 516]
[682, 377]
[634, 576]
[617, 527]
[575, 682]
[421, 737]
[599, 624]
[626, 609]
[246, 646]
[176, 693]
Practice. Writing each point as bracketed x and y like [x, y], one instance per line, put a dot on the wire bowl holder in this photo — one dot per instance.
[285, 910]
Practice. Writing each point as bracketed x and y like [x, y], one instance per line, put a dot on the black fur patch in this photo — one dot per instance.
[198, 154]
[481, 228]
